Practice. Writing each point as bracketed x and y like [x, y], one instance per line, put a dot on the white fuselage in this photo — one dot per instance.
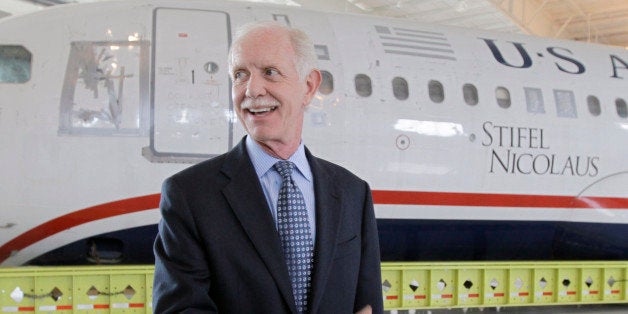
[444, 123]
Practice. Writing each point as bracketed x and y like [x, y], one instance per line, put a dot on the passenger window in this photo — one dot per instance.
[502, 95]
[565, 103]
[327, 85]
[436, 90]
[400, 88]
[15, 64]
[470, 94]
[321, 52]
[282, 18]
[534, 100]
[594, 105]
[363, 85]
[622, 108]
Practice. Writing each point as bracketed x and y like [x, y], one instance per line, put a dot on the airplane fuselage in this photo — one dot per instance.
[477, 145]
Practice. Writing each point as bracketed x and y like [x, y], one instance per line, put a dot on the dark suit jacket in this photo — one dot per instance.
[218, 250]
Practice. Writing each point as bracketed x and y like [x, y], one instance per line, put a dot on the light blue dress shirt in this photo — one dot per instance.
[271, 179]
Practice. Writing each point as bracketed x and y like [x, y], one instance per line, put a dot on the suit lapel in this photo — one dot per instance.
[328, 209]
[246, 197]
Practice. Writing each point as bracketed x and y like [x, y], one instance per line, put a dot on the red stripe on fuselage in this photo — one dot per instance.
[382, 197]
[76, 218]
[495, 200]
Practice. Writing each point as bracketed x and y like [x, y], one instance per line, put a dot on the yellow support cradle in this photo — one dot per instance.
[405, 286]
[497, 284]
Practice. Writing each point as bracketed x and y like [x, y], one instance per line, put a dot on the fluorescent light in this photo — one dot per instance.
[430, 128]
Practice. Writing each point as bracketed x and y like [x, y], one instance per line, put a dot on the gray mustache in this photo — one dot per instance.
[259, 103]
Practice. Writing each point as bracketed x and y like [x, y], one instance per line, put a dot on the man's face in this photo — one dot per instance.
[269, 96]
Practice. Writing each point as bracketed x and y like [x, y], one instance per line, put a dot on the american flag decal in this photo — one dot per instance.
[415, 43]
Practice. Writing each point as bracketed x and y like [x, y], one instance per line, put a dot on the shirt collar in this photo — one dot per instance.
[262, 161]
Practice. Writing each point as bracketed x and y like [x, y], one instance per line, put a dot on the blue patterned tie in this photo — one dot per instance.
[294, 233]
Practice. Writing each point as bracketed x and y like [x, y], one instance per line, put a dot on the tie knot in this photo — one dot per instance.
[284, 168]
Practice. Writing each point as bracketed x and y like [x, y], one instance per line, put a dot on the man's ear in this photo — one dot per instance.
[312, 81]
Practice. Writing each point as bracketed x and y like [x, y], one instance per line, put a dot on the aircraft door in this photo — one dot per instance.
[190, 103]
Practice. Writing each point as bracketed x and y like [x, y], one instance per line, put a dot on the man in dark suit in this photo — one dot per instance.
[225, 244]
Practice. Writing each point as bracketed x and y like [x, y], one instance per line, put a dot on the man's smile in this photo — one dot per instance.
[261, 111]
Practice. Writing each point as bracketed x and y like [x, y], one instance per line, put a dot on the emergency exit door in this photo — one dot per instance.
[191, 111]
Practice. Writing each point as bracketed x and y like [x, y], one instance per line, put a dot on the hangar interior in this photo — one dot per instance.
[603, 22]
[595, 21]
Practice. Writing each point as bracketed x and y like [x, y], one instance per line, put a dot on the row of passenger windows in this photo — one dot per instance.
[564, 99]
[15, 67]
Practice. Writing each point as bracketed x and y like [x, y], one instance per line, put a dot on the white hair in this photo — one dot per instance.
[305, 56]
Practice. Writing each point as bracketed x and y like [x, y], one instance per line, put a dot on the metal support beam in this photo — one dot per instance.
[538, 22]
